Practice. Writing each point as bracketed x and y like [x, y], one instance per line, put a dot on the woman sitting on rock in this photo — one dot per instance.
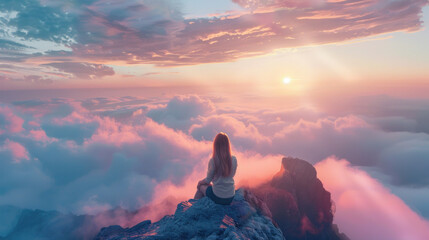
[221, 171]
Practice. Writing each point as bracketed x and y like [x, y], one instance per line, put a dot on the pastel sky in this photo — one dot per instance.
[92, 93]
[81, 44]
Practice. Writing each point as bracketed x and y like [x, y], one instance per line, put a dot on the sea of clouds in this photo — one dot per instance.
[90, 155]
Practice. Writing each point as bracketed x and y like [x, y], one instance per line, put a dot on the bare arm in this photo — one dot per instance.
[234, 169]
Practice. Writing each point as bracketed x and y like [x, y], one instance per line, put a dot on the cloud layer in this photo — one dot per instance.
[94, 154]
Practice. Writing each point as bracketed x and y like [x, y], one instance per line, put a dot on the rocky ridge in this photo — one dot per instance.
[203, 219]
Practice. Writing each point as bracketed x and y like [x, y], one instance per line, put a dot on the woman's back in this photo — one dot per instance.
[221, 171]
[223, 186]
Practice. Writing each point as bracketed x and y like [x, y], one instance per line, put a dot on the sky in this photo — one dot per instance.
[92, 93]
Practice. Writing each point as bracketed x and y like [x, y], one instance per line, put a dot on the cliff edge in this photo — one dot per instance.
[300, 205]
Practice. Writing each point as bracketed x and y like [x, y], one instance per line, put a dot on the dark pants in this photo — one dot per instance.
[224, 201]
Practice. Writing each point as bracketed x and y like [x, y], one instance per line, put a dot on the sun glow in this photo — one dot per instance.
[287, 80]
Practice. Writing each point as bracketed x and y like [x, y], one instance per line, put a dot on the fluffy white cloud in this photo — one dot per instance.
[181, 111]
[84, 158]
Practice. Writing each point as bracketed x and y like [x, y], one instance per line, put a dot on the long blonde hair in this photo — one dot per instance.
[222, 155]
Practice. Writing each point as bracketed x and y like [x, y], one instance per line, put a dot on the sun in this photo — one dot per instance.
[287, 80]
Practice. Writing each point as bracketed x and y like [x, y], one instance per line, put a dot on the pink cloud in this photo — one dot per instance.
[246, 136]
[270, 4]
[257, 33]
[169, 39]
[82, 70]
[18, 151]
[78, 115]
[111, 131]
[40, 135]
[365, 209]
[176, 138]
[34, 123]
[350, 122]
[37, 109]
[254, 169]
[74, 117]
[167, 190]
[14, 123]
[310, 128]
[181, 111]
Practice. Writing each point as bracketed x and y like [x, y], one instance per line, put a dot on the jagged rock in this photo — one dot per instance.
[299, 203]
[245, 218]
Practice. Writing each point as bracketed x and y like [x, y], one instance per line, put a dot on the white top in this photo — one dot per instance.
[223, 187]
